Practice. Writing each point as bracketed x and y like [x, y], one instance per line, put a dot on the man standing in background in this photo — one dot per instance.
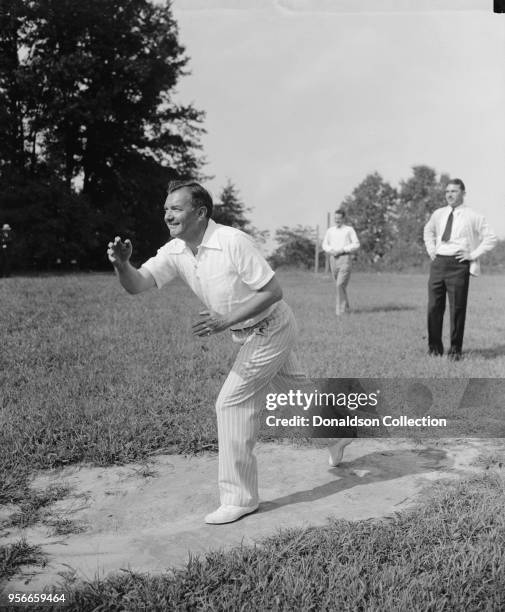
[5, 247]
[340, 241]
[455, 237]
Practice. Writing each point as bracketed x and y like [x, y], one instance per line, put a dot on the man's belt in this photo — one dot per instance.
[250, 327]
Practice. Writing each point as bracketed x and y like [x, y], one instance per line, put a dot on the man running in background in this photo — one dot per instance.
[340, 241]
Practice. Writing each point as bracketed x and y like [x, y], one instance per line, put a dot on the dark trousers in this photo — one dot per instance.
[5, 268]
[451, 277]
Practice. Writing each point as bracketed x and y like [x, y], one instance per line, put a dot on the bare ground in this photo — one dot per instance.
[149, 517]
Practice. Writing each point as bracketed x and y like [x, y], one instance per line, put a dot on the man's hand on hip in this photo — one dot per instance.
[462, 255]
[209, 323]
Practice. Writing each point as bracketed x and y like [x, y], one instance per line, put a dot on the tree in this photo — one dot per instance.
[12, 145]
[108, 68]
[296, 248]
[86, 98]
[229, 209]
[371, 211]
[419, 195]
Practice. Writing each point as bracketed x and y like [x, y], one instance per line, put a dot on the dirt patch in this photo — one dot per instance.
[148, 518]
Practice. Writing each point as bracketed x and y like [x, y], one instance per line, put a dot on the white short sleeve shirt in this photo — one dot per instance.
[226, 272]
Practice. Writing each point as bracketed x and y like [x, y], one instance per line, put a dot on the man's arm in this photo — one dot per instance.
[430, 237]
[487, 237]
[263, 298]
[133, 280]
[353, 246]
[213, 323]
[326, 246]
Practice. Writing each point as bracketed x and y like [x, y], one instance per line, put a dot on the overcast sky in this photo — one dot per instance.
[301, 104]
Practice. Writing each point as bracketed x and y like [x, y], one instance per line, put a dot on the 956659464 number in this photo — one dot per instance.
[26, 598]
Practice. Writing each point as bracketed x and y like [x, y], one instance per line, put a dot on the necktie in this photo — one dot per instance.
[447, 231]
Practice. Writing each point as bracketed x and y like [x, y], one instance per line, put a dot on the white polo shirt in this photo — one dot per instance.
[226, 272]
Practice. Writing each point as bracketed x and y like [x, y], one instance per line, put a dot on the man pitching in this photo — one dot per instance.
[241, 293]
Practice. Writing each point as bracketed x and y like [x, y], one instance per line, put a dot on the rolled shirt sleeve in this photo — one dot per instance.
[161, 267]
[251, 266]
[430, 236]
[486, 237]
[353, 245]
[326, 244]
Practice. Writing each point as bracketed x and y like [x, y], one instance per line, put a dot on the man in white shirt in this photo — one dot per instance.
[455, 237]
[340, 241]
[226, 271]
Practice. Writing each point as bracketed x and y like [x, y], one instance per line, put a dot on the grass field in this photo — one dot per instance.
[89, 373]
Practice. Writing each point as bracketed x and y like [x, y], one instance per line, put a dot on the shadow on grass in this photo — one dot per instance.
[488, 353]
[384, 308]
[377, 467]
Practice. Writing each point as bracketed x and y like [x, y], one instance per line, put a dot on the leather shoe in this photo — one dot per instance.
[228, 514]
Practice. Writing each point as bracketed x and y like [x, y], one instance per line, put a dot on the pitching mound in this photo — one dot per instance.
[149, 517]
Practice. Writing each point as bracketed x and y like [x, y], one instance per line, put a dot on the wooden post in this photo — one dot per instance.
[327, 257]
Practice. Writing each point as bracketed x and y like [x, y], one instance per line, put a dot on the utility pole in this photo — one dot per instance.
[316, 258]
[327, 257]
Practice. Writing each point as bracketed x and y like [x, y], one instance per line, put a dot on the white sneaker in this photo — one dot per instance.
[337, 451]
[228, 514]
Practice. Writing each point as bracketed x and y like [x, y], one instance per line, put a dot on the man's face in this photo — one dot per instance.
[454, 195]
[183, 220]
[339, 219]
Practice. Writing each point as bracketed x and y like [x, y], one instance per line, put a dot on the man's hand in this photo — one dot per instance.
[119, 252]
[433, 256]
[462, 255]
[210, 323]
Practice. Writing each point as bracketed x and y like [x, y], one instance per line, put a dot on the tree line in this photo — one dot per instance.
[90, 131]
[389, 222]
[91, 134]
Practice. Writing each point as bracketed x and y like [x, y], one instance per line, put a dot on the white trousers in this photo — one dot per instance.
[266, 362]
[341, 269]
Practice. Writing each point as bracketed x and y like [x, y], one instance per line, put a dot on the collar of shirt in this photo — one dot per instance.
[210, 239]
[457, 211]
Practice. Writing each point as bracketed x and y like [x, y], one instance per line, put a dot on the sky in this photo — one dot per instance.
[305, 98]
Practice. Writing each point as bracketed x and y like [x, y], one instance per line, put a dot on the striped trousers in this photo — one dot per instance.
[266, 362]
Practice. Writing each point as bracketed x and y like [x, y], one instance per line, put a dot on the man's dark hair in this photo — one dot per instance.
[199, 195]
[458, 182]
[340, 212]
